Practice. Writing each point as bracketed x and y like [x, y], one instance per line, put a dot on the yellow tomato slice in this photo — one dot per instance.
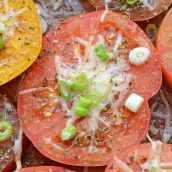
[22, 36]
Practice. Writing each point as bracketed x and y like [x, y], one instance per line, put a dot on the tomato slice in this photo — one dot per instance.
[22, 36]
[164, 46]
[44, 169]
[136, 13]
[146, 82]
[9, 113]
[143, 151]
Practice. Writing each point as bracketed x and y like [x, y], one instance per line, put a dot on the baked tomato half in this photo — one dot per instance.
[137, 10]
[145, 157]
[44, 169]
[9, 133]
[164, 46]
[71, 105]
[20, 37]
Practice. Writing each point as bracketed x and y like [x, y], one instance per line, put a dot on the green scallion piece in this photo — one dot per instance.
[101, 52]
[6, 130]
[81, 111]
[64, 89]
[131, 2]
[68, 133]
[94, 96]
[80, 83]
[84, 102]
[2, 43]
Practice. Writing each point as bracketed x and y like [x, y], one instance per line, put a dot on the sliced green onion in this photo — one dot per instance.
[80, 83]
[81, 111]
[131, 2]
[155, 169]
[2, 43]
[68, 133]
[84, 102]
[101, 52]
[64, 89]
[6, 130]
[94, 96]
[2, 28]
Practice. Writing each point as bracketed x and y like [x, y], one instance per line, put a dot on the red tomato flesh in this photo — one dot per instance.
[164, 46]
[137, 13]
[44, 169]
[143, 151]
[146, 82]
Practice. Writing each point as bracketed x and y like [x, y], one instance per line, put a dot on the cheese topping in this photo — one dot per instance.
[17, 148]
[115, 74]
[147, 4]
[153, 160]
[106, 11]
[104, 71]
[122, 165]
[8, 18]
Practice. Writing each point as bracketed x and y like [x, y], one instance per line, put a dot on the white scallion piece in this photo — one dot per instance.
[134, 102]
[139, 55]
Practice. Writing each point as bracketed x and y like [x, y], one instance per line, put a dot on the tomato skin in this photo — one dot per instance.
[164, 46]
[54, 44]
[143, 152]
[137, 15]
[44, 169]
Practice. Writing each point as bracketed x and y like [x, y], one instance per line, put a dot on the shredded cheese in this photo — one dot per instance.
[148, 5]
[17, 148]
[122, 165]
[9, 19]
[118, 42]
[27, 91]
[49, 141]
[116, 73]
[152, 161]
[105, 11]
[154, 156]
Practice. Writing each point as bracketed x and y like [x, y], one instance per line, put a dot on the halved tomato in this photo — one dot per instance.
[38, 93]
[164, 46]
[8, 113]
[22, 36]
[136, 155]
[44, 169]
[139, 11]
